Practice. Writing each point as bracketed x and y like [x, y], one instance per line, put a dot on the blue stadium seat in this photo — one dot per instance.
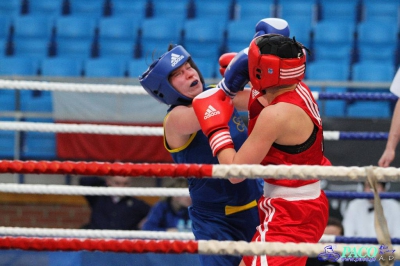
[306, 10]
[61, 67]
[50, 8]
[5, 27]
[75, 36]
[207, 68]
[371, 72]
[301, 31]
[254, 9]
[328, 71]
[104, 67]
[7, 141]
[377, 41]
[87, 8]
[11, 7]
[239, 34]
[7, 100]
[158, 33]
[206, 41]
[381, 11]
[3, 47]
[32, 35]
[39, 145]
[334, 40]
[137, 66]
[339, 10]
[133, 9]
[36, 101]
[213, 9]
[118, 37]
[16, 65]
[177, 11]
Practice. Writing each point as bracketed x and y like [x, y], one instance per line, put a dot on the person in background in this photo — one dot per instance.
[334, 227]
[358, 219]
[394, 133]
[170, 214]
[114, 212]
[220, 210]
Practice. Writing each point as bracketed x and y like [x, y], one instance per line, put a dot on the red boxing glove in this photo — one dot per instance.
[214, 109]
[224, 61]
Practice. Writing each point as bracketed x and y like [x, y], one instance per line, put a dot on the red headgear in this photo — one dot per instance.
[275, 60]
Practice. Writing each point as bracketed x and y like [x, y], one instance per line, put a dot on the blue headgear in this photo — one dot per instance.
[155, 79]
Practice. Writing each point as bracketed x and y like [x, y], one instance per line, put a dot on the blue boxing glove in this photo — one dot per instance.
[272, 25]
[236, 74]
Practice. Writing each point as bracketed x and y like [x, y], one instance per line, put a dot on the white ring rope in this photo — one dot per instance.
[277, 248]
[109, 234]
[86, 233]
[135, 89]
[71, 87]
[81, 128]
[93, 191]
[306, 172]
[103, 129]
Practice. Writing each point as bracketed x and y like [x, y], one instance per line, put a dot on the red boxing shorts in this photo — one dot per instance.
[283, 220]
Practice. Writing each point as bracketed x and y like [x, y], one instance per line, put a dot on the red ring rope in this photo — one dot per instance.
[102, 169]
[110, 245]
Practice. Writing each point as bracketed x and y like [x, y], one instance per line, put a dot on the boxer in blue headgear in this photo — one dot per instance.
[156, 79]
[220, 209]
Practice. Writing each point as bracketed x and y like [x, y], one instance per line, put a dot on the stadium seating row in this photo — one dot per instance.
[126, 38]
[310, 10]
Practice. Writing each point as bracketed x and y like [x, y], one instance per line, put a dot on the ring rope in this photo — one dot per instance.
[71, 87]
[211, 247]
[360, 195]
[135, 89]
[137, 234]
[356, 240]
[152, 131]
[92, 191]
[93, 233]
[150, 191]
[364, 96]
[82, 128]
[302, 172]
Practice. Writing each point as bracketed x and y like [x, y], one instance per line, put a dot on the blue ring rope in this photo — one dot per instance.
[362, 240]
[365, 96]
[363, 135]
[360, 195]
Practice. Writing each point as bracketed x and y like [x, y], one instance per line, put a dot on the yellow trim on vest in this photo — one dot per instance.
[180, 148]
[234, 209]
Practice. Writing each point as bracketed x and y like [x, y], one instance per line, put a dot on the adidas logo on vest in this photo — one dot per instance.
[175, 58]
[211, 111]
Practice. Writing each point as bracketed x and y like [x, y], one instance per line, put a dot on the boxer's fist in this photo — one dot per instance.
[214, 109]
[236, 74]
[272, 25]
[224, 61]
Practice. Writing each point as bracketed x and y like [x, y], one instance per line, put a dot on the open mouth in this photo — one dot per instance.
[194, 83]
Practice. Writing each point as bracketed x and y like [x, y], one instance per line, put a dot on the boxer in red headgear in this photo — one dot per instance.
[285, 128]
